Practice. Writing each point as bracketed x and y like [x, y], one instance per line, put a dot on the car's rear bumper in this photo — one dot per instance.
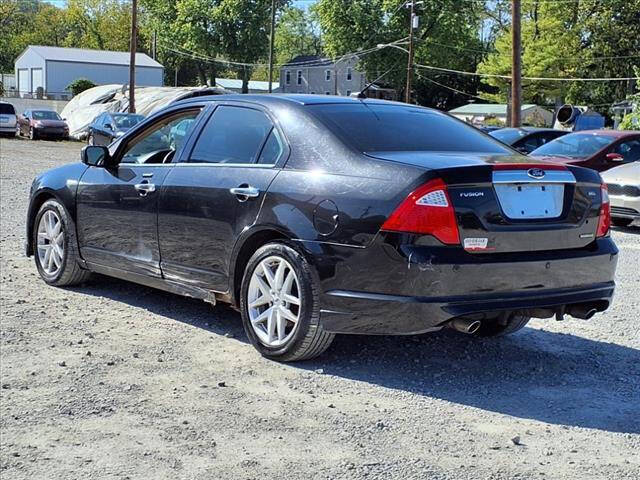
[396, 288]
[625, 207]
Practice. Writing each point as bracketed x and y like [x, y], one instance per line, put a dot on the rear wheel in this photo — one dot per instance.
[622, 222]
[56, 251]
[280, 305]
[505, 324]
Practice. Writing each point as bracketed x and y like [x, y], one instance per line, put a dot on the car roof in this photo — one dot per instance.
[610, 133]
[531, 129]
[297, 99]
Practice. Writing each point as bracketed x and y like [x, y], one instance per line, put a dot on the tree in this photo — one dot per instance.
[586, 39]
[447, 37]
[79, 85]
[296, 34]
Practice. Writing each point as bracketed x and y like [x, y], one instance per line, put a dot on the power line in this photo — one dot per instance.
[542, 79]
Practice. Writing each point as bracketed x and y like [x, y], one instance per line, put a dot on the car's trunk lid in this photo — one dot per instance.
[514, 204]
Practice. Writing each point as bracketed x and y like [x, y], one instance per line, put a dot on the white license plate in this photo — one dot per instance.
[530, 201]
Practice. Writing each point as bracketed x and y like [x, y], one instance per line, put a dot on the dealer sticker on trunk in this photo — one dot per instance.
[475, 243]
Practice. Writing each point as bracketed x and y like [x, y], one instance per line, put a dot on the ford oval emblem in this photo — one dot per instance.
[536, 173]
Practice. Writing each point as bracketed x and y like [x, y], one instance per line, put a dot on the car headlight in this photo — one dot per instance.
[37, 124]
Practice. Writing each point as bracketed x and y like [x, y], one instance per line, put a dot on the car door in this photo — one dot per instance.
[215, 192]
[96, 130]
[117, 206]
[107, 129]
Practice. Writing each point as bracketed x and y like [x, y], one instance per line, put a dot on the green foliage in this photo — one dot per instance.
[447, 37]
[296, 34]
[79, 85]
[588, 39]
[492, 121]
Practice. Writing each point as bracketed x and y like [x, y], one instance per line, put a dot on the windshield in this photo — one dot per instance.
[7, 109]
[126, 121]
[45, 115]
[402, 128]
[508, 135]
[575, 145]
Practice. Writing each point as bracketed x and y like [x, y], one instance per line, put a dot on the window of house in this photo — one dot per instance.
[232, 135]
[349, 74]
[287, 77]
[299, 77]
[327, 75]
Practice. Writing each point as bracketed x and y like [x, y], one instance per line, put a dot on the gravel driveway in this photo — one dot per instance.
[113, 380]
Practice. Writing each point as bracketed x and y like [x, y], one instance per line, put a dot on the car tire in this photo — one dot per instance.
[61, 266]
[622, 222]
[32, 134]
[300, 340]
[501, 326]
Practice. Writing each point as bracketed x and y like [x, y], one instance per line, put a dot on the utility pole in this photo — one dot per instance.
[516, 66]
[412, 20]
[132, 57]
[154, 44]
[271, 42]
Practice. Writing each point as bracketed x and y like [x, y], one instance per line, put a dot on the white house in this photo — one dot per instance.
[54, 68]
[255, 86]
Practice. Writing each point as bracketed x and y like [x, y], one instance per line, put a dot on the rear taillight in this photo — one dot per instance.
[427, 210]
[604, 220]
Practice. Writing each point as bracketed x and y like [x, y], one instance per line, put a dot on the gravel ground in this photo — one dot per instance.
[117, 381]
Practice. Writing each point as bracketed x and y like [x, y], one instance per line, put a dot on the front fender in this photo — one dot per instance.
[60, 183]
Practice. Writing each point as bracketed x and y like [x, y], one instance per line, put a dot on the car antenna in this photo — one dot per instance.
[361, 94]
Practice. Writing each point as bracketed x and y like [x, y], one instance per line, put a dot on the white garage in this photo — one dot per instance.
[54, 68]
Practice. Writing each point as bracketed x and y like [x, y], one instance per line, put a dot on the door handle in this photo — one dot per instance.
[245, 192]
[145, 188]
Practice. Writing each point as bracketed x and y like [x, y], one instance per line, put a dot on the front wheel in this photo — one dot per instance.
[279, 303]
[622, 222]
[32, 134]
[56, 251]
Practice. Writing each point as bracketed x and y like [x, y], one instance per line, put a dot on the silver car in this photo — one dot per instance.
[7, 119]
[624, 193]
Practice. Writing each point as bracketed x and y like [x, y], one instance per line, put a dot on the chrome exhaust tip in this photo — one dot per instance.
[583, 312]
[465, 325]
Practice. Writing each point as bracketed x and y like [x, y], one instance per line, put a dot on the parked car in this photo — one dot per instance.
[42, 123]
[108, 126]
[7, 119]
[624, 193]
[596, 149]
[319, 215]
[526, 139]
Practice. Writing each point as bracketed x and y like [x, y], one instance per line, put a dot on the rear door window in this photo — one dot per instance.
[233, 135]
[630, 150]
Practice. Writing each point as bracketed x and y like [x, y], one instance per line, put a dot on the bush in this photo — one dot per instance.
[631, 121]
[79, 85]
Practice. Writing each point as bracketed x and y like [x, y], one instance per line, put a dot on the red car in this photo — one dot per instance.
[596, 149]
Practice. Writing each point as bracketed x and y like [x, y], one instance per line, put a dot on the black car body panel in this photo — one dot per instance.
[192, 236]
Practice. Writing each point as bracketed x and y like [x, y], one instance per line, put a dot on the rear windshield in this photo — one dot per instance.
[575, 145]
[403, 128]
[7, 109]
[45, 115]
[508, 135]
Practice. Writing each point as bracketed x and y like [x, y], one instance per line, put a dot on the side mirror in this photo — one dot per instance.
[95, 156]
[614, 157]
[108, 126]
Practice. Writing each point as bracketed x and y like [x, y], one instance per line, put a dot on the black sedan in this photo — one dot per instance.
[526, 139]
[318, 215]
[107, 126]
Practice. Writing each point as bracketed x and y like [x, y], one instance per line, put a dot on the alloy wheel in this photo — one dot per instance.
[50, 242]
[273, 301]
